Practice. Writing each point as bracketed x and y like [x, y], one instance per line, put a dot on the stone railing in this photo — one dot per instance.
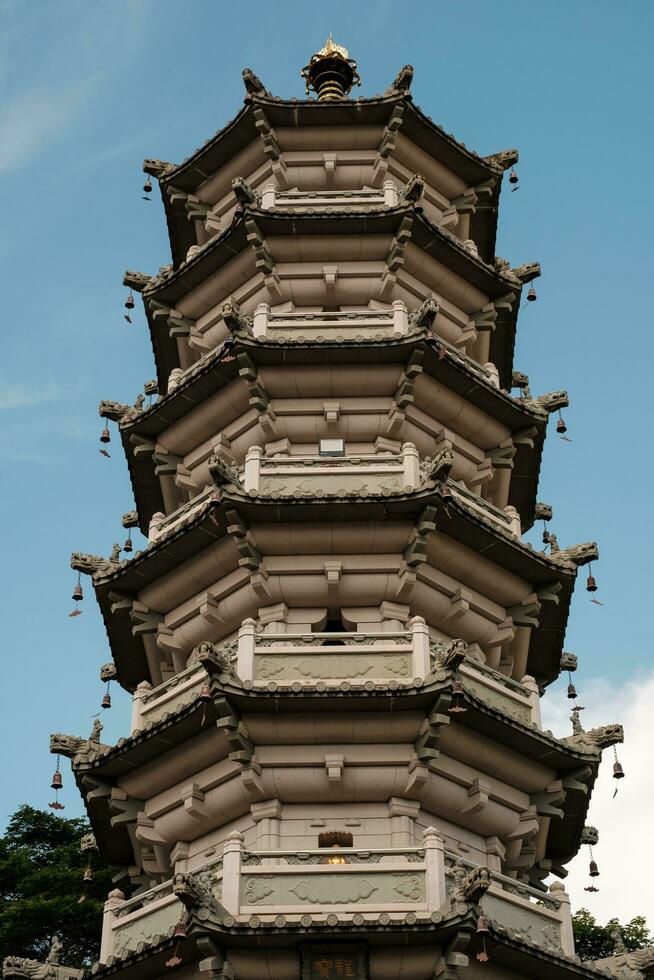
[352, 325]
[518, 701]
[290, 661]
[161, 524]
[290, 883]
[265, 885]
[326, 201]
[508, 520]
[526, 913]
[154, 704]
[287, 658]
[335, 476]
[147, 917]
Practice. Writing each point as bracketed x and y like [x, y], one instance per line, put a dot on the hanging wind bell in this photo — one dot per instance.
[128, 546]
[78, 595]
[572, 691]
[593, 872]
[482, 930]
[129, 306]
[531, 295]
[105, 437]
[513, 179]
[106, 700]
[546, 534]
[179, 934]
[457, 706]
[57, 784]
[147, 189]
[591, 586]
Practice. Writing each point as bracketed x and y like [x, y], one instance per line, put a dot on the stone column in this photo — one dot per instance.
[410, 466]
[400, 317]
[114, 899]
[267, 816]
[260, 320]
[252, 468]
[245, 652]
[435, 861]
[232, 872]
[557, 890]
[403, 814]
[534, 697]
[137, 704]
[420, 642]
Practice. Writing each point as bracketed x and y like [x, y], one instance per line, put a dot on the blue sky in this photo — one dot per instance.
[89, 90]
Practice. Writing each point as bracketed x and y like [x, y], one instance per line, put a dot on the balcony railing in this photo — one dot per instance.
[338, 476]
[503, 693]
[527, 913]
[348, 325]
[325, 201]
[393, 881]
[367, 658]
[289, 661]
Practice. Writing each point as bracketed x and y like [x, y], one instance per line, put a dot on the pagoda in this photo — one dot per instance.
[336, 639]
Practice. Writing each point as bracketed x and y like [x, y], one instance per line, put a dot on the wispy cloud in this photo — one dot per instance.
[22, 396]
[80, 46]
[33, 118]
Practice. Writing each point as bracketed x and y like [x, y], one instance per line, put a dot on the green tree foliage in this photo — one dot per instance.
[594, 942]
[42, 892]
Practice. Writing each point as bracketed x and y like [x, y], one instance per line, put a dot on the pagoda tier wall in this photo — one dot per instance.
[330, 272]
[199, 795]
[458, 592]
[331, 160]
[302, 410]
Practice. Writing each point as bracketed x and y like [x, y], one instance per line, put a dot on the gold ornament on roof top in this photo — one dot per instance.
[331, 73]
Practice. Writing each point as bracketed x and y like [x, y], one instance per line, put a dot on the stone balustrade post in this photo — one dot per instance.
[534, 698]
[514, 518]
[115, 898]
[260, 320]
[435, 863]
[231, 896]
[400, 317]
[557, 890]
[252, 468]
[138, 697]
[410, 466]
[174, 379]
[153, 526]
[420, 642]
[391, 194]
[245, 652]
[268, 197]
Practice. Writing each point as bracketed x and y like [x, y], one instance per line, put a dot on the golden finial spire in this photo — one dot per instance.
[331, 73]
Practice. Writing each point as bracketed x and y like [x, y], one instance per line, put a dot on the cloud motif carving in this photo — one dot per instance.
[410, 887]
[327, 890]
